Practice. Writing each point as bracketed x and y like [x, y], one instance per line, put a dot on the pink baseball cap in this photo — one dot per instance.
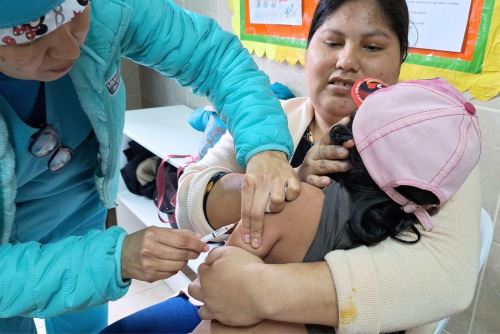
[422, 134]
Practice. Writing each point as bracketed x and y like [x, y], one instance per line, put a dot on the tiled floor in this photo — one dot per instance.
[139, 296]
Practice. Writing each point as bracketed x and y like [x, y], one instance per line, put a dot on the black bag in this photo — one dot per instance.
[136, 154]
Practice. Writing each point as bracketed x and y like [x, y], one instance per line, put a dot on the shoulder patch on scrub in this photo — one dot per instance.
[114, 83]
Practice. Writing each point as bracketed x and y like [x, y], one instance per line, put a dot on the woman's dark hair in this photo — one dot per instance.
[375, 216]
[396, 12]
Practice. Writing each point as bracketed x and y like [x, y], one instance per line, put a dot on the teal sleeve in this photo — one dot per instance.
[195, 51]
[75, 273]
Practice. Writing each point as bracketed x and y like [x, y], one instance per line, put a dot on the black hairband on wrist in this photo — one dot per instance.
[208, 188]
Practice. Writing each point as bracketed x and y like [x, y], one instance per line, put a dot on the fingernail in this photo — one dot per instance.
[255, 243]
[206, 248]
[246, 238]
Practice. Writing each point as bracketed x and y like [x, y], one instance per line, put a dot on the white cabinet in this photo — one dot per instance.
[163, 131]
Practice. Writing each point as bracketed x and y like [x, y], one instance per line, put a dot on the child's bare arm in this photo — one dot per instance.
[289, 233]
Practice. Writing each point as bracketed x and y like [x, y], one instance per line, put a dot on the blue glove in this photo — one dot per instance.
[214, 129]
[199, 118]
[281, 91]
[206, 120]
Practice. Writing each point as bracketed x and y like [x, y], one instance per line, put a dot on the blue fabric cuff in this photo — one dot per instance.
[269, 147]
[108, 255]
[118, 257]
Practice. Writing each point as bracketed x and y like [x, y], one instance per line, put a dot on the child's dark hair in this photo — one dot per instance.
[375, 216]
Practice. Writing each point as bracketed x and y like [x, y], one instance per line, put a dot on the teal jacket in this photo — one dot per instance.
[78, 272]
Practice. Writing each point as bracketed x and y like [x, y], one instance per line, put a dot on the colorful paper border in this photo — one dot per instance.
[281, 48]
[470, 60]
[479, 74]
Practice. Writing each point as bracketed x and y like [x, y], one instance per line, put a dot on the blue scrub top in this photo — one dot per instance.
[51, 206]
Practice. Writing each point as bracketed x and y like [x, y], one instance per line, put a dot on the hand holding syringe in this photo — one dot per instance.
[217, 233]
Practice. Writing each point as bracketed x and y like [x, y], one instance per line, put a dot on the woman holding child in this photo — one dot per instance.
[386, 287]
[383, 288]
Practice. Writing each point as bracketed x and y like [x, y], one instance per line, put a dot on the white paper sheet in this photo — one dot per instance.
[438, 25]
[285, 12]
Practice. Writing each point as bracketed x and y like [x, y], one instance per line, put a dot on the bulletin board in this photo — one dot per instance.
[475, 68]
[276, 42]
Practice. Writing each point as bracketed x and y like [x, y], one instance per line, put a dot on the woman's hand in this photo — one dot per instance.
[268, 182]
[239, 289]
[229, 280]
[323, 159]
[156, 253]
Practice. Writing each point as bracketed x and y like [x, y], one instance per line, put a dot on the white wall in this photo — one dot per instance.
[130, 73]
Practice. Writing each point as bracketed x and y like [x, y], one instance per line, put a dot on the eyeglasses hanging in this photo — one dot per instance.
[48, 141]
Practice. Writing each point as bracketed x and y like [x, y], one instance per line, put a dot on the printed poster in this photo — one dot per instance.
[438, 25]
[279, 12]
